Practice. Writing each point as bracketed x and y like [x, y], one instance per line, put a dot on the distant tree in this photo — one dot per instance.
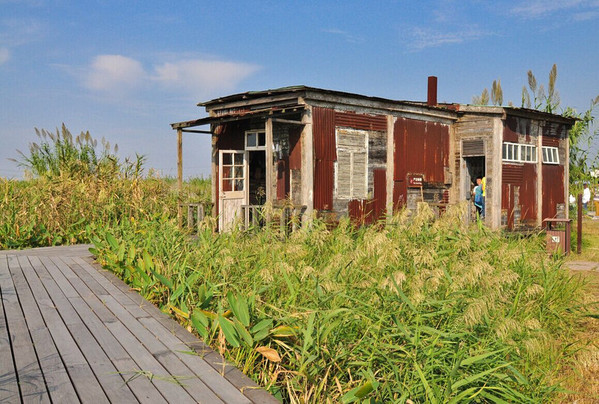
[582, 164]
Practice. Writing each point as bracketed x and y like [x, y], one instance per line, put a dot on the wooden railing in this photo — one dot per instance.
[195, 215]
[289, 217]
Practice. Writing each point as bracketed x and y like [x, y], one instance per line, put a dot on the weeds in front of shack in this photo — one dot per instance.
[416, 309]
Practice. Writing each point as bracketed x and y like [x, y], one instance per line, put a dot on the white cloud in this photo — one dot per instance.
[118, 75]
[4, 55]
[202, 76]
[531, 9]
[114, 73]
[348, 37]
[421, 38]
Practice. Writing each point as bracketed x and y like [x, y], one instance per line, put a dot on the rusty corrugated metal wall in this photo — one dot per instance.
[323, 129]
[553, 175]
[420, 147]
[324, 121]
[519, 181]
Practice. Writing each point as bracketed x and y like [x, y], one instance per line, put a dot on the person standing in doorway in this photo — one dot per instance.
[586, 196]
[478, 197]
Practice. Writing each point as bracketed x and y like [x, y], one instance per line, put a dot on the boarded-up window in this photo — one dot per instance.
[352, 164]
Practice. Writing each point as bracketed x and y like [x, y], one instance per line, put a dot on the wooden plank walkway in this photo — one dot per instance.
[72, 332]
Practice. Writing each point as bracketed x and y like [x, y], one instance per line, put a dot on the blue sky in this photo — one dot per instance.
[125, 70]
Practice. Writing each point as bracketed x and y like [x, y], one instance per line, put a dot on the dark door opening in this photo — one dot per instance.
[257, 177]
[475, 168]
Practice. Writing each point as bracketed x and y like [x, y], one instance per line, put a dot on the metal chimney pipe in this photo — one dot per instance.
[432, 91]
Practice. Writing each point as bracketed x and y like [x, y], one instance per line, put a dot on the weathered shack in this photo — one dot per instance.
[341, 154]
[522, 153]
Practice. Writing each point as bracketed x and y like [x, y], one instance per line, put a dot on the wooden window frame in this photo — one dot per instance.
[550, 155]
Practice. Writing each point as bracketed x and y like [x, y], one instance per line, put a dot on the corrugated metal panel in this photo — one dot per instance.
[231, 136]
[550, 141]
[552, 129]
[323, 184]
[380, 193]
[507, 203]
[553, 189]
[473, 148]
[295, 149]
[360, 121]
[528, 194]
[323, 129]
[420, 147]
[510, 129]
[511, 174]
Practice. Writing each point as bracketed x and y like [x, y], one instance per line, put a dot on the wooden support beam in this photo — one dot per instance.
[279, 120]
[195, 131]
[180, 174]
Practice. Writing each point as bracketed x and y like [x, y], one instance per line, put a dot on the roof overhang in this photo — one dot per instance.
[274, 112]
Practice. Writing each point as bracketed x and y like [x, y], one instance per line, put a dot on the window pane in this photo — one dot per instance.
[261, 139]
[238, 172]
[226, 172]
[239, 185]
[227, 159]
[504, 152]
[227, 185]
[251, 140]
[238, 159]
[555, 159]
[544, 154]
[510, 152]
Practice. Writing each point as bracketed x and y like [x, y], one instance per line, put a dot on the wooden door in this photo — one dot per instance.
[232, 174]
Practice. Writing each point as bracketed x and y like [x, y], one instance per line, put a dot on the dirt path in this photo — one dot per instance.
[583, 376]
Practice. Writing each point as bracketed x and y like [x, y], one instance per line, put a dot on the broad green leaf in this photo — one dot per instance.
[229, 331]
[243, 333]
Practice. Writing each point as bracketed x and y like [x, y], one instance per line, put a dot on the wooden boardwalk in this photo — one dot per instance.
[72, 332]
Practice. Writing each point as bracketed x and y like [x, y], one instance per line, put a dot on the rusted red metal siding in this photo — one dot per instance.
[283, 178]
[420, 147]
[528, 194]
[323, 129]
[295, 149]
[380, 193]
[553, 189]
[511, 177]
[360, 121]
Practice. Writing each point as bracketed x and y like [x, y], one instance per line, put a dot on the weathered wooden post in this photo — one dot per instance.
[579, 228]
[180, 175]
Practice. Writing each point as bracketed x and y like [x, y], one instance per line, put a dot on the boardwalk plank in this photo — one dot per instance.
[56, 377]
[87, 386]
[88, 305]
[9, 388]
[31, 381]
[161, 377]
[92, 339]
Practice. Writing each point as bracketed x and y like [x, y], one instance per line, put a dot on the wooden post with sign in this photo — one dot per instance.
[417, 181]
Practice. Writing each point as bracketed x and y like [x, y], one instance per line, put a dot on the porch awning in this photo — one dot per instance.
[271, 112]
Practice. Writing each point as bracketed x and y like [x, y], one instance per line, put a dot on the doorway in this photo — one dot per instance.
[257, 177]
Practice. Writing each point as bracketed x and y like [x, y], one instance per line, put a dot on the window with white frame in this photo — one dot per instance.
[511, 152]
[550, 155]
[255, 140]
[351, 174]
[528, 153]
[519, 153]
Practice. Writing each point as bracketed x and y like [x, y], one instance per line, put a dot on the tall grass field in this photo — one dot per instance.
[411, 310]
